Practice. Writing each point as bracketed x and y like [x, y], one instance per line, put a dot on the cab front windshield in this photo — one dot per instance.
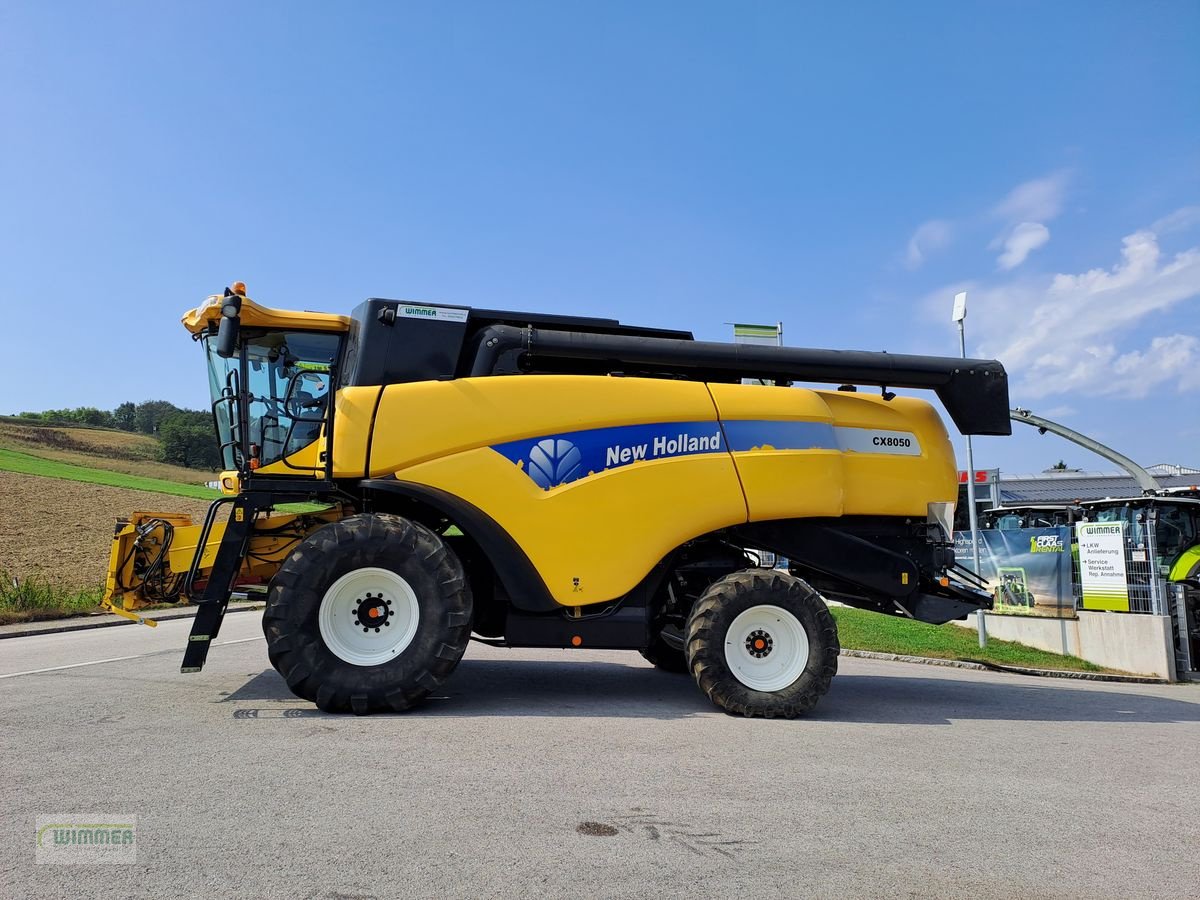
[283, 378]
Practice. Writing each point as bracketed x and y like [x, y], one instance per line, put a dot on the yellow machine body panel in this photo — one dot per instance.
[780, 481]
[834, 453]
[427, 420]
[354, 408]
[591, 538]
[894, 484]
[597, 479]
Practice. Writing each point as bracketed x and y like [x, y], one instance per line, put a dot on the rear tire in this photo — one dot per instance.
[367, 614]
[762, 643]
[663, 656]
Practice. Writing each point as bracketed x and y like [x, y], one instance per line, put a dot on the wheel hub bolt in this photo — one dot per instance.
[372, 611]
[759, 643]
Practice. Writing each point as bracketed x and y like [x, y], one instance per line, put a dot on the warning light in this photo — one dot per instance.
[239, 288]
[576, 641]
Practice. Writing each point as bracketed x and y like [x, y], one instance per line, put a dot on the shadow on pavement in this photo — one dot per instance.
[531, 688]
[583, 689]
[904, 700]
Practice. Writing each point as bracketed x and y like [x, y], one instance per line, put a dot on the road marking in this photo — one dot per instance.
[97, 662]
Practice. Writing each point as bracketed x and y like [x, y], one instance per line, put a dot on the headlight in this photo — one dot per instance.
[943, 514]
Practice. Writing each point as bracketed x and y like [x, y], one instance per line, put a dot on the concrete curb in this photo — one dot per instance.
[1014, 670]
[87, 623]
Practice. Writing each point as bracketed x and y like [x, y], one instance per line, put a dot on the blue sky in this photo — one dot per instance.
[842, 167]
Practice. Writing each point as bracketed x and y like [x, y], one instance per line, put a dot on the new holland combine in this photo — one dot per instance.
[413, 475]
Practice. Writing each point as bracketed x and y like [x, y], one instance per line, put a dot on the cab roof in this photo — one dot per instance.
[254, 315]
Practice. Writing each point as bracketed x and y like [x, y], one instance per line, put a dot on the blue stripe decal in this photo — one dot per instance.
[754, 434]
[559, 459]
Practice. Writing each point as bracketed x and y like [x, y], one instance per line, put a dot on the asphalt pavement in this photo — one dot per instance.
[588, 774]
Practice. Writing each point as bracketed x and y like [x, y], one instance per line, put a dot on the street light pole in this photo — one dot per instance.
[959, 315]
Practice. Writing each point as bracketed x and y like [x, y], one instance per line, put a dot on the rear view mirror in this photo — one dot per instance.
[231, 325]
[227, 337]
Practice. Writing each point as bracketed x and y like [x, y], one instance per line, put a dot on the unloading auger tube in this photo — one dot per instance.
[974, 391]
[533, 480]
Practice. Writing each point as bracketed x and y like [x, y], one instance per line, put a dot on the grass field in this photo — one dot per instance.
[862, 630]
[34, 599]
[115, 451]
[28, 464]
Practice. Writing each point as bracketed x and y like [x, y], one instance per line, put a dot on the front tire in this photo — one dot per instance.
[762, 643]
[367, 614]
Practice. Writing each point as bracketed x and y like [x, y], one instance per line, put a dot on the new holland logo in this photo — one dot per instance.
[554, 461]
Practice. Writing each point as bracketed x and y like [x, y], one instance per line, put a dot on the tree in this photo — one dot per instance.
[125, 416]
[148, 416]
[1059, 466]
[89, 415]
[188, 440]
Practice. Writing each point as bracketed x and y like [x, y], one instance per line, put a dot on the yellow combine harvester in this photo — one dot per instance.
[550, 481]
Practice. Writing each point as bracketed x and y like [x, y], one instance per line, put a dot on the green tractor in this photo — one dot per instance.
[1168, 522]
[1013, 590]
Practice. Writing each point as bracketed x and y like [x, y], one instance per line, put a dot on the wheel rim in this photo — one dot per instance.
[766, 648]
[368, 616]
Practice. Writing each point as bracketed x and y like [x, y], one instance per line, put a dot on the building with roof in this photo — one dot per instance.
[1066, 486]
[995, 488]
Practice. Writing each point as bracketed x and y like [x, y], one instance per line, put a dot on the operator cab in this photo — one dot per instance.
[270, 374]
[286, 377]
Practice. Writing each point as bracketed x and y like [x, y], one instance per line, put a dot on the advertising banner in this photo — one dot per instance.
[1028, 570]
[1102, 565]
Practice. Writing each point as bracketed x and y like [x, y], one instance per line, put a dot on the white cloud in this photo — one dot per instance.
[929, 237]
[1068, 333]
[1172, 358]
[1021, 241]
[1180, 220]
[1024, 212]
[1027, 207]
[1038, 200]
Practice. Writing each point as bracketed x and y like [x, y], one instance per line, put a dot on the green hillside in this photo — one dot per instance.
[27, 464]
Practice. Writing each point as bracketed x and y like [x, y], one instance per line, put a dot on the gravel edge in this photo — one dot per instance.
[86, 623]
[1015, 670]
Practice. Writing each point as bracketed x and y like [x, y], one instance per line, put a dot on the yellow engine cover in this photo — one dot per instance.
[598, 478]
